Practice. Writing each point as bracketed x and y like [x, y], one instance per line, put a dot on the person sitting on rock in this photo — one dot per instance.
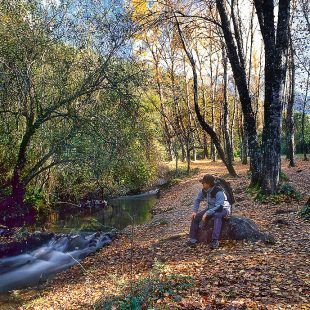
[217, 207]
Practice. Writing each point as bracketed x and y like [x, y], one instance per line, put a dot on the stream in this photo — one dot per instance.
[76, 236]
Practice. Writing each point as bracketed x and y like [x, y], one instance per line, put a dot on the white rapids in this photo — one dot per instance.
[58, 254]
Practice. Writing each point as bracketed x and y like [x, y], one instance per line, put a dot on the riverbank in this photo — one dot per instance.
[238, 274]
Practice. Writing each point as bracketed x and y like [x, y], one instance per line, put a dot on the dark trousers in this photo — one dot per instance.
[218, 218]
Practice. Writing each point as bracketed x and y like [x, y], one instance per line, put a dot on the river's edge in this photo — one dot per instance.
[227, 277]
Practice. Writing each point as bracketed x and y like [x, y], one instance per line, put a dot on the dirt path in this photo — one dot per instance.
[238, 275]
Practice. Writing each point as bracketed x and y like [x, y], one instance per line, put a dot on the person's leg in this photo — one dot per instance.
[195, 226]
[218, 218]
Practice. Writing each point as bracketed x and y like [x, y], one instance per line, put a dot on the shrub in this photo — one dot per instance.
[283, 177]
[305, 211]
[289, 191]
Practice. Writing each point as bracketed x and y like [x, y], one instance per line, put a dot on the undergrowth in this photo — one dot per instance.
[145, 293]
[175, 177]
[305, 211]
[285, 193]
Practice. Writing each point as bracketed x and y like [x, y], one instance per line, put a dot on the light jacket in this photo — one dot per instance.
[213, 203]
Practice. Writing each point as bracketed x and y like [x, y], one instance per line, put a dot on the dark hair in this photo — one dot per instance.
[208, 178]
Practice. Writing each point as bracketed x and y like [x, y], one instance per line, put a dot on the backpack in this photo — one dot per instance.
[222, 185]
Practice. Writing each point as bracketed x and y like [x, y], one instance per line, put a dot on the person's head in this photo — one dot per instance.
[207, 181]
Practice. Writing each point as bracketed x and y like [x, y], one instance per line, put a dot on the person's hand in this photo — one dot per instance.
[194, 215]
[205, 216]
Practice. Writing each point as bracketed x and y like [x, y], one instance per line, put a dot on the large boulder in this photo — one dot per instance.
[234, 228]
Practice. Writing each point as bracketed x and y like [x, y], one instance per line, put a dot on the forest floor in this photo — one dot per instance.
[238, 275]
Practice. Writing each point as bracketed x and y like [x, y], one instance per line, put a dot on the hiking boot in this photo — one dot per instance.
[214, 244]
[191, 242]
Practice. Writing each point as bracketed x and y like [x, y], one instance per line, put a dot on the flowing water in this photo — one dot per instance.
[78, 239]
[59, 253]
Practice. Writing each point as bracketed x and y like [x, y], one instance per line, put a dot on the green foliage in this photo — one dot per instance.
[298, 133]
[305, 211]
[88, 127]
[289, 191]
[253, 189]
[283, 177]
[285, 194]
[175, 177]
[144, 293]
[37, 199]
[92, 224]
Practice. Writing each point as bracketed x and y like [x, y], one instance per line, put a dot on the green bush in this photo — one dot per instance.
[285, 193]
[289, 191]
[174, 177]
[283, 177]
[37, 199]
[92, 224]
[305, 211]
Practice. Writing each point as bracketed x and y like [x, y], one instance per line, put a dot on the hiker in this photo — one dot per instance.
[217, 208]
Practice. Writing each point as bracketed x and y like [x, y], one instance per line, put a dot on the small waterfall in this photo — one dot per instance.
[58, 254]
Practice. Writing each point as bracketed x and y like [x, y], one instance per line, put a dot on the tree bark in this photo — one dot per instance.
[225, 111]
[290, 145]
[303, 141]
[238, 68]
[275, 43]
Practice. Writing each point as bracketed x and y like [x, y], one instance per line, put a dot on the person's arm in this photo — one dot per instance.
[219, 201]
[197, 201]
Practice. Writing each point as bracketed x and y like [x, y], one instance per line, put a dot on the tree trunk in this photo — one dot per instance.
[18, 186]
[289, 116]
[238, 68]
[176, 154]
[212, 98]
[188, 158]
[275, 43]
[303, 142]
[232, 126]
[244, 146]
[204, 103]
[225, 111]
[205, 146]
[167, 136]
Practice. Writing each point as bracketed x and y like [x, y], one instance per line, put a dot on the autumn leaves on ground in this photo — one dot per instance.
[238, 275]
